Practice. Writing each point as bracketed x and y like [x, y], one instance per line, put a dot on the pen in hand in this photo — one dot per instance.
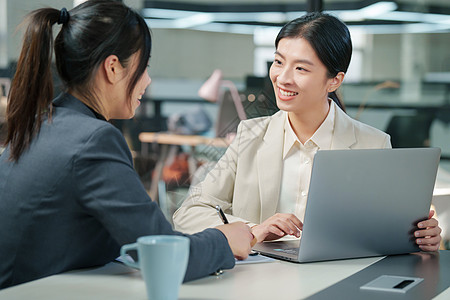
[225, 221]
[221, 214]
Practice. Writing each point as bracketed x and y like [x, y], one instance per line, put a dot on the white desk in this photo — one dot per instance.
[274, 280]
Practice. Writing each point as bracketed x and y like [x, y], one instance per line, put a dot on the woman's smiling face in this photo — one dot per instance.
[299, 77]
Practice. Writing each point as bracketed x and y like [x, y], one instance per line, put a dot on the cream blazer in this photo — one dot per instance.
[246, 181]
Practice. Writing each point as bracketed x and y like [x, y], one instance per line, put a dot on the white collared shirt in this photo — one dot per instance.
[297, 164]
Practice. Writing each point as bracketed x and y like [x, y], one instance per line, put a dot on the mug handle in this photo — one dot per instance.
[123, 251]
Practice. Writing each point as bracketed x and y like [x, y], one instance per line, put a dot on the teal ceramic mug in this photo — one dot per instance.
[163, 261]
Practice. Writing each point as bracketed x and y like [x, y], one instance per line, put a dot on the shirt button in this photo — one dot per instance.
[304, 193]
[307, 161]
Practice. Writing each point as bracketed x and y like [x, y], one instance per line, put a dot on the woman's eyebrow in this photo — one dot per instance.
[303, 61]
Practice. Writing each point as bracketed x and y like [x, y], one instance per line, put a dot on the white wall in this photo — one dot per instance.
[195, 54]
[387, 52]
[385, 57]
[439, 56]
[17, 10]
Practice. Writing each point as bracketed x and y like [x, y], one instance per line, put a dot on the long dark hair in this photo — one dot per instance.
[89, 34]
[329, 38]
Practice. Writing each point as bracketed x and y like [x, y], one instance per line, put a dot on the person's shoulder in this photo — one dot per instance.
[260, 124]
[70, 111]
[368, 136]
[360, 127]
[78, 128]
[369, 130]
[81, 120]
[265, 119]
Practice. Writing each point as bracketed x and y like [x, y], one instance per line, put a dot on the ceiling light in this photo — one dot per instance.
[369, 12]
[166, 13]
[405, 16]
[194, 20]
[234, 22]
[377, 9]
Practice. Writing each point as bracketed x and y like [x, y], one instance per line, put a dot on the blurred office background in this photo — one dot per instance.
[398, 81]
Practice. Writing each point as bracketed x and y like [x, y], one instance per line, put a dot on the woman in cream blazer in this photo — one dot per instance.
[255, 181]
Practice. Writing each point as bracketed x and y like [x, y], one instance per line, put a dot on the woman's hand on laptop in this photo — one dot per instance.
[428, 237]
[277, 226]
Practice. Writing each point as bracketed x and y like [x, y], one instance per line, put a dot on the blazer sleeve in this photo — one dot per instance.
[110, 190]
[198, 210]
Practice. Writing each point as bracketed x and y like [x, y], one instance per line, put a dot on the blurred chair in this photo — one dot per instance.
[409, 131]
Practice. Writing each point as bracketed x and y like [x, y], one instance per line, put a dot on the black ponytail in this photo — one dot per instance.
[31, 90]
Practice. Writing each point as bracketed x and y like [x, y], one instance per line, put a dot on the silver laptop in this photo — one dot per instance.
[362, 203]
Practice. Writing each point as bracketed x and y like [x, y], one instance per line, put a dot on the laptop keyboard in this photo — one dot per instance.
[292, 251]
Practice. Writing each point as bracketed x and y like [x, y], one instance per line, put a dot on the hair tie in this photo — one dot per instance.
[63, 16]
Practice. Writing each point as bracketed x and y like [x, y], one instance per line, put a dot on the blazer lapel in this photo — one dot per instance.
[269, 164]
[344, 131]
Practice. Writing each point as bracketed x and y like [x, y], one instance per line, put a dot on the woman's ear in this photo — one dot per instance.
[113, 69]
[335, 82]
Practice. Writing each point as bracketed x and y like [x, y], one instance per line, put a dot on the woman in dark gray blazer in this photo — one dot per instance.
[69, 196]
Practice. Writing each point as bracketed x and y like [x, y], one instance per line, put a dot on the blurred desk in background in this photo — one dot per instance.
[157, 103]
[168, 141]
[179, 139]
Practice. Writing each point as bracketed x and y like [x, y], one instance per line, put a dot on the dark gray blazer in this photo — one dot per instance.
[73, 199]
